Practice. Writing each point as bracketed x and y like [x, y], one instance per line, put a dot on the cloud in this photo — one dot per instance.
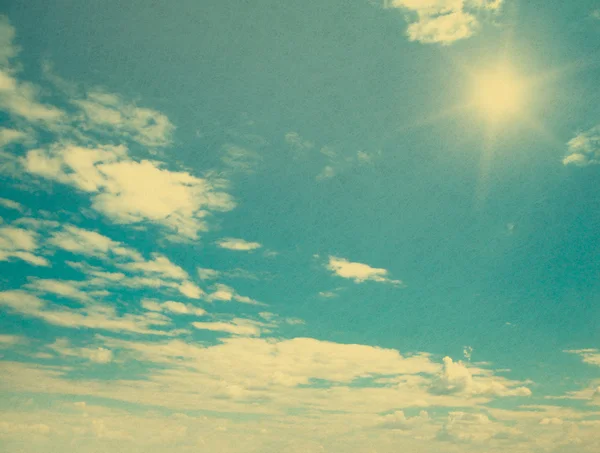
[238, 244]
[297, 142]
[159, 265]
[465, 427]
[129, 191]
[358, 272]
[226, 293]
[20, 100]
[174, 307]
[207, 274]
[10, 204]
[9, 340]
[591, 356]
[8, 136]
[63, 288]
[108, 113]
[456, 378]
[240, 159]
[91, 243]
[238, 326]
[92, 316]
[20, 243]
[327, 172]
[100, 355]
[17, 98]
[444, 21]
[584, 149]
[398, 420]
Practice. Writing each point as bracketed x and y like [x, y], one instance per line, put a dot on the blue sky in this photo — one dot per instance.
[330, 226]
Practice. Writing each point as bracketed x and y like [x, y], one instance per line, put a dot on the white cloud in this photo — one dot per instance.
[129, 191]
[207, 274]
[240, 159]
[465, 427]
[64, 288]
[10, 204]
[238, 244]
[358, 272]
[177, 308]
[109, 113]
[159, 265]
[20, 99]
[20, 244]
[63, 347]
[92, 316]
[10, 340]
[297, 142]
[456, 378]
[237, 326]
[91, 243]
[226, 293]
[399, 420]
[584, 149]
[327, 172]
[8, 136]
[444, 21]
[591, 356]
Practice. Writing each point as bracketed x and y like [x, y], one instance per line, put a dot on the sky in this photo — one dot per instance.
[333, 226]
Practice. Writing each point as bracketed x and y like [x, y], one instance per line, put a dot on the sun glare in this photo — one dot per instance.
[499, 93]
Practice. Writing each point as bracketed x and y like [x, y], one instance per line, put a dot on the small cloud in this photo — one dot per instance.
[467, 352]
[358, 272]
[240, 159]
[10, 204]
[226, 293]
[444, 21]
[130, 191]
[108, 113]
[297, 142]
[584, 149]
[174, 307]
[97, 355]
[8, 136]
[238, 244]
[237, 326]
[7, 341]
[19, 243]
[590, 356]
[208, 274]
[326, 173]
[328, 294]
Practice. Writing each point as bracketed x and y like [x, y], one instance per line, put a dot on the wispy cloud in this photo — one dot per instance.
[19, 243]
[130, 191]
[591, 356]
[444, 21]
[10, 204]
[584, 148]
[92, 316]
[358, 272]
[238, 244]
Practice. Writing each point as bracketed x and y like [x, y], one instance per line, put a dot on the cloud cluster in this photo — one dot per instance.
[130, 191]
[584, 149]
[444, 21]
[358, 272]
[239, 245]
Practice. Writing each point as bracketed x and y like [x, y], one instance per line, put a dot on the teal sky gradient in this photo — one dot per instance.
[317, 198]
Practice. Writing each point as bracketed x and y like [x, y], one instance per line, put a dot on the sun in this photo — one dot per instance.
[498, 93]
